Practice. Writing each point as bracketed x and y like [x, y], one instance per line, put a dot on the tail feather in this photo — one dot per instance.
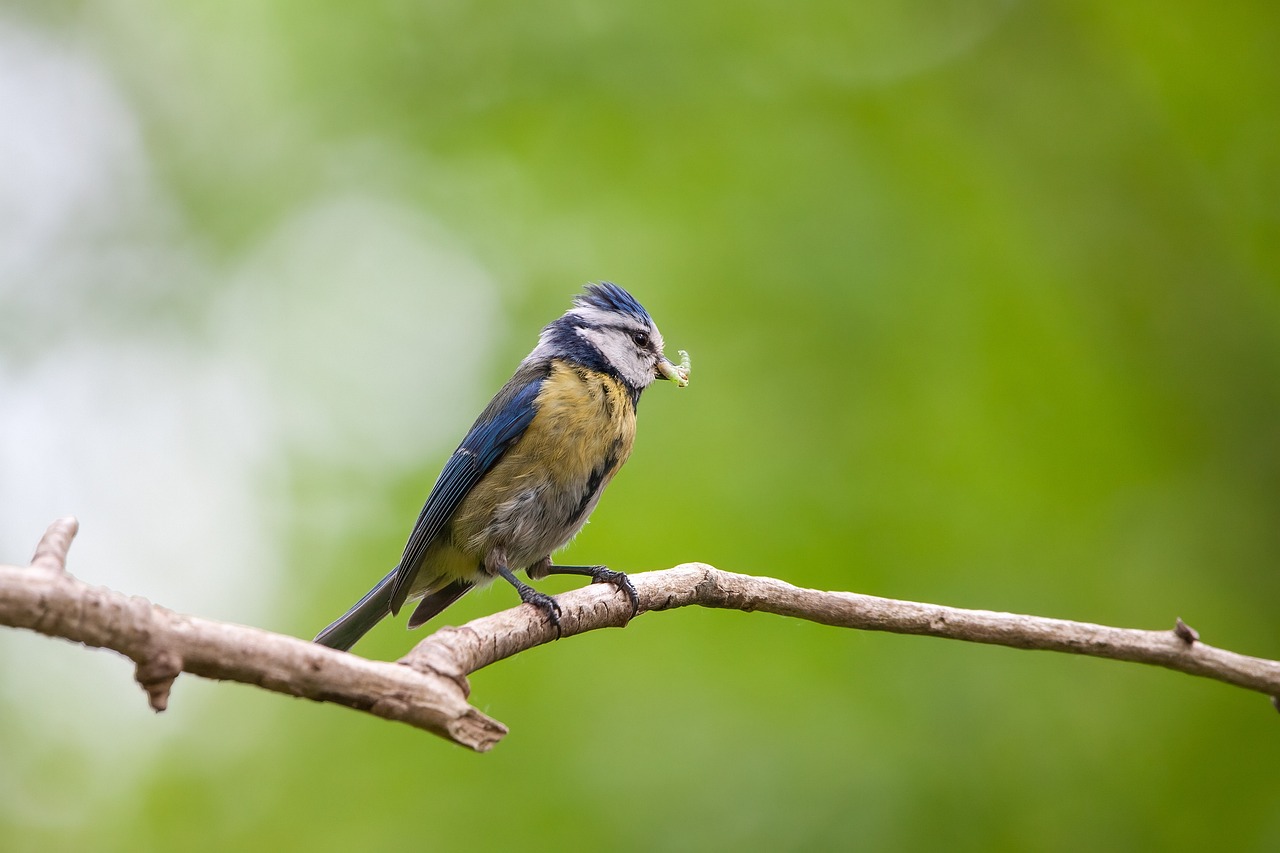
[356, 622]
[434, 603]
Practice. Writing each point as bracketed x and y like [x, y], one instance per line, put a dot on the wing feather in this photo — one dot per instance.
[502, 422]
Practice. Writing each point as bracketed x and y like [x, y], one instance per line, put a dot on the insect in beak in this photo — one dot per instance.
[678, 374]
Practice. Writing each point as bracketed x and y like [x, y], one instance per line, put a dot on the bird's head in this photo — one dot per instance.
[607, 329]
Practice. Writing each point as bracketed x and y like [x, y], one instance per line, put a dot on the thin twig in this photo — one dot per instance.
[428, 687]
[491, 638]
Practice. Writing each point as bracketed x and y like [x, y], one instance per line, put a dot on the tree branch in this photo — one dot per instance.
[428, 687]
[45, 598]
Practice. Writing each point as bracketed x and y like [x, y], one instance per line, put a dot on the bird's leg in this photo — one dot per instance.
[598, 574]
[498, 565]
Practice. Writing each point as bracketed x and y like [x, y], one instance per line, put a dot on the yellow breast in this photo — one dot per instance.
[584, 418]
[540, 493]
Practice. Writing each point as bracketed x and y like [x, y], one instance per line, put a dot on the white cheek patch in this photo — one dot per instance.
[620, 352]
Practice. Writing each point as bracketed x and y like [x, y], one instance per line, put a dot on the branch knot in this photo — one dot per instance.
[155, 673]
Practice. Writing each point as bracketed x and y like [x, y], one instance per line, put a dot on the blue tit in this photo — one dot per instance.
[526, 477]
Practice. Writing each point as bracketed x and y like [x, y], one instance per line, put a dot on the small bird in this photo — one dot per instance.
[526, 477]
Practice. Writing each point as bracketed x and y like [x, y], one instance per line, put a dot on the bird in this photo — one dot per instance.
[531, 469]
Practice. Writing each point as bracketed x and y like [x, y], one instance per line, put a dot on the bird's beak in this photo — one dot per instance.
[678, 374]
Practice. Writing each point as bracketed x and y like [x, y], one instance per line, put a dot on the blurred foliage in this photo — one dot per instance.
[982, 301]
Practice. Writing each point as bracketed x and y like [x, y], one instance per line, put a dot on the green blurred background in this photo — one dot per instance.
[982, 301]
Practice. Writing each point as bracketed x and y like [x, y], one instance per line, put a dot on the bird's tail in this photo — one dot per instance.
[357, 621]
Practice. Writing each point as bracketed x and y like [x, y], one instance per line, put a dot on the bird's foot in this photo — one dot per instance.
[598, 574]
[543, 602]
[604, 574]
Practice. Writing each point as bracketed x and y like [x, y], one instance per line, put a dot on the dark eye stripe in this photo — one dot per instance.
[640, 337]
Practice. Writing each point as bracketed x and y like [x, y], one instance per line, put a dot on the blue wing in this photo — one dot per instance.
[502, 422]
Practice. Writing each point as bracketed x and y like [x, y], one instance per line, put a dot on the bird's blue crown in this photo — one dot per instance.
[607, 296]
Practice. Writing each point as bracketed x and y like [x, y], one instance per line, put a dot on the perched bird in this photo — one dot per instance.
[532, 468]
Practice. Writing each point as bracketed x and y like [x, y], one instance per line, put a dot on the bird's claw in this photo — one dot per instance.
[601, 574]
[546, 604]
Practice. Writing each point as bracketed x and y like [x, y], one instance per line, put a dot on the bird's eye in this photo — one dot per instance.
[641, 338]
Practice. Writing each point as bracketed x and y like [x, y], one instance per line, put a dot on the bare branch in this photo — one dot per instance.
[492, 638]
[428, 687]
[163, 643]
